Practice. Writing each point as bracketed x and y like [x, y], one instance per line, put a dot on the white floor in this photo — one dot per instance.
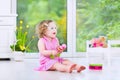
[11, 70]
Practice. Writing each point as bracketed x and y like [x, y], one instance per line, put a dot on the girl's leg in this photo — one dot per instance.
[52, 69]
[80, 68]
[67, 62]
[63, 68]
[77, 67]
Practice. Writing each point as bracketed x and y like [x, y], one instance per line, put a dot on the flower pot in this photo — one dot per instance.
[18, 56]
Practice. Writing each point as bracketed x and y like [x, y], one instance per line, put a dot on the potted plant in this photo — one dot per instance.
[21, 44]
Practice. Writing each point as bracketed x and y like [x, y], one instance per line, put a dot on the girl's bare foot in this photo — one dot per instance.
[71, 67]
[80, 68]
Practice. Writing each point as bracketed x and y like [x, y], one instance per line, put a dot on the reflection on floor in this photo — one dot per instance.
[11, 70]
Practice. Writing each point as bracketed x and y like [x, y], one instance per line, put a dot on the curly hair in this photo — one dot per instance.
[42, 27]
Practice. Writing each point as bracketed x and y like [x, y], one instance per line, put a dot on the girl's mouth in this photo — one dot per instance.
[54, 33]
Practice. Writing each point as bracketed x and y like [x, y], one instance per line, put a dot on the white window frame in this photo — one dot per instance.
[71, 30]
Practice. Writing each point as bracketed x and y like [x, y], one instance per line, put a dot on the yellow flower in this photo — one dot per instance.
[21, 21]
[25, 32]
[20, 27]
[33, 37]
[22, 47]
[27, 26]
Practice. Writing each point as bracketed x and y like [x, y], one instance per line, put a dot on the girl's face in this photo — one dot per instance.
[51, 30]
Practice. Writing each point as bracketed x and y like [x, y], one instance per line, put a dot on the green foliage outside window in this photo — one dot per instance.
[95, 18]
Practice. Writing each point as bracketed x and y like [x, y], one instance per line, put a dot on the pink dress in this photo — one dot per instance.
[45, 61]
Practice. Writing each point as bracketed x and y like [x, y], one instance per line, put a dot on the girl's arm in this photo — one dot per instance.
[58, 44]
[60, 48]
[42, 50]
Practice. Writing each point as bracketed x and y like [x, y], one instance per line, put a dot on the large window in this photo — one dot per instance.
[95, 18]
[30, 12]
[82, 21]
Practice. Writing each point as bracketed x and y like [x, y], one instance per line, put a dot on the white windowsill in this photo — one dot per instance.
[64, 54]
[69, 55]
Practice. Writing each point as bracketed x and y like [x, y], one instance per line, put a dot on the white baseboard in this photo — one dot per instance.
[5, 55]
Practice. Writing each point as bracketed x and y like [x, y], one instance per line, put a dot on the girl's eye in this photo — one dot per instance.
[52, 28]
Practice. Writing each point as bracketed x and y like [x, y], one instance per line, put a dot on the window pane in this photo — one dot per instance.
[95, 18]
[30, 12]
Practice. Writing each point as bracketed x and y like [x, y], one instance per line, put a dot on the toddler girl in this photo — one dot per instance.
[49, 49]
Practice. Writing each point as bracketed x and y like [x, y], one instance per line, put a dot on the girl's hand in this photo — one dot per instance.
[61, 48]
[54, 53]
